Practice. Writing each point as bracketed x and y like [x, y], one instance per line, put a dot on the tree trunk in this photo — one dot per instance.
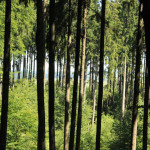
[67, 98]
[34, 66]
[75, 87]
[81, 78]
[64, 72]
[137, 80]
[51, 74]
[60, 72]
[124, 90]
[13, 79]
[27, 72]
[24, 66]
[101, 70]
[145, 120]
[57, 75]
[146, 14]
[94, 97]
[114, 85]
[85, 79]
[6, 69]
[40, 44]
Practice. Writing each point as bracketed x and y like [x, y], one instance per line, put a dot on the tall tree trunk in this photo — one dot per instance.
[81, 78]
[19, 69]
[57, 75]
[13, 79]
[40, 43]
[90, 80]
[137, 79]
[60, 71]
[124, 90]
[146, 14]
[27, 72]
[67, 98]
[85, 79]
[24, 66]
[6, 69]
[75, 87]
[101, 70]
[145, 120]
[51, 74]
[64, 72]
[114, 85]
[94, 97]
[34, 66]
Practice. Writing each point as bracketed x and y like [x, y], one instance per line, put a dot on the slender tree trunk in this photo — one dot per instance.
[94, 97]
[124, 90]
[13, 79]
[132, 80]
[64, 72]
[90, 80]
[75, 87]
[6, 69]
[145, 120]
[114, 85]
[51, 74]
[137, 80]
[127, 84]
[27, 72]
[67, 98]
[34, 66]
[85, 79]
[101, 70]
[146, 14]
[60, 71]
[57, 75]
[24, 66]
[19, 69]
[78, 137]
[40, 43]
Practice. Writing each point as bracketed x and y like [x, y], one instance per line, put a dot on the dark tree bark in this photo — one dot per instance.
[81, 88]
[13, 79]
[51, 74]
[34, 66]
[64, 72]
[27, 69]
[146, 15]
[145, 120]
[67, 98]
[101, 69]
[24, 66]
[40, 44]
[60, 71]
[75, 87]
[6, 69]
[137, 80]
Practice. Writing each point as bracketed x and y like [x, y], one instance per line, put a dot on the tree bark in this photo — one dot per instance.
[40, 44]
[81, 78]
[145, 120]
[146, 15]
[67, 98]
[64, 72]
[94, 97]
[51, 74]
[124, 90]
[6, 69]
[137, 79]
[75, 87]
[101, 70]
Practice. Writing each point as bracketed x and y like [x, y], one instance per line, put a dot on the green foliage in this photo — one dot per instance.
[22, 117]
